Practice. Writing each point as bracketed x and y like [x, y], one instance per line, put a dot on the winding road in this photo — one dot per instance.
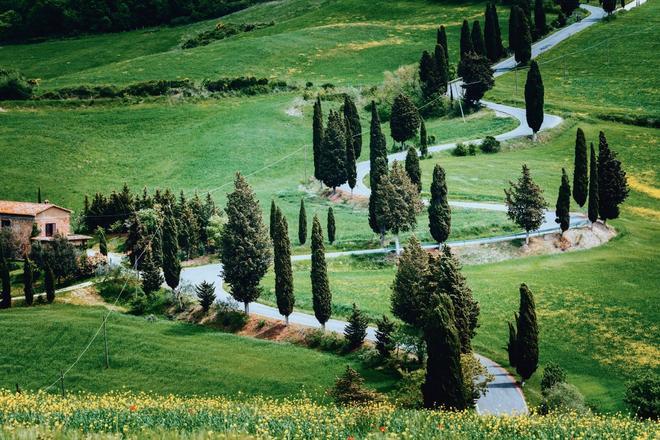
[504, 396]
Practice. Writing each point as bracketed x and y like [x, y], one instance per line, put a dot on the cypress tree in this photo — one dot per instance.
[593, 186]
[609, 6]
[171, 263]
[527, 335]
[404, 121]
[317, 137]
[540, 25]
[612, 182]
[423, 140]
[331, 226]
[352, 121]
[563, 206]
[5, 300]
[441, 65]
[413, 169]
[580, 179]
[441, 39]
[490, 38]
[28, 288]
[439, 210]
[477, 77]
[103, 243]
[477, 38]
[356, 329]
[38, 194]
[498, 31]
[321, 295]
[523, 51]
[410, 299]
[466, 40]
[514, 27]
[568, 6]
[283, 272]
[333, 157]
[384, 336]
[205, 292]
[403, 202]
[525, 203]
[378, 164]
[245, 244]
[351, 166]
[49, 283]
[302, 223]
[513, 343]
[429, 74]
[151, 276]
[526, 7]
[272, 224]
[534, 97]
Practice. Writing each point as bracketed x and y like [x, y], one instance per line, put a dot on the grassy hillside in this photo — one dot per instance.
[166, 356]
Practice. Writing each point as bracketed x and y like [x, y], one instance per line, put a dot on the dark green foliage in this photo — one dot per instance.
[410, 290]
[5, 298]
[151, 276]
[514, 26]
[222, 31]
[103, 243]
[525, 202]
[540, 24]
[526, 7]
[498, 31]
[171, 263]
[477, 77]
[423, 140]
[428, 74]
[441, 39]
[477, 38]
[333, 152]
[384, 336]
[39, 194]
[349, 389]
[282, 265]
[492, 38]
[553, 374]
[187, 228]
[404, 121]
[332, 228]
[49, 284]
[230, 319]
[612, 183]
[534, 98]
[14, 86]
[246, 251]
[512, 345]
[60, 254]
[356, 329]
[643, 396]
[593, 186]
[441, 64]
[351, 166]
[580, 168]
[568, 6]
[28, 279]
[352, 121]
[302, 223]
[401, 198]
[443, 386]
[523, 50]
[439, 209]
[321, 295]
[466, 40]
[527, 335]
[317, 137]
[413, 169]
[563, 206]
[490, 145]
[460, 150]
[205, 292]
[378, 164]
[272, 224]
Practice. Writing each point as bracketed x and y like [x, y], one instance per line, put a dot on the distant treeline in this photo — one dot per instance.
[26, 19]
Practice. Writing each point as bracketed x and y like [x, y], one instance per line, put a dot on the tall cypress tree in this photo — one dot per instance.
[317, 137]
[466, 40]
[563, 206]
[513, 343]
[378, 164]
[410, 300]
[404, 121]
[28, 279]
[321, 295]
[356, 329]
[333, 157]
[171, 263]
[441, 39]
[413, 169]
[103, 243]
[49, 283]
[612, 183]
[498, 31]
[490, 38]
[429, 75]
[580, 178]
[352, 121]
[441, 65]
[593, 186]
[423, 140]
[403, 202]
[439, 210]
[351, 166]
[272, 223]
[246, 252]
[283, 273]
[527, 335]
[525, 203]
[332, 228]
[514, 26]
[523, 51]
[5, 300]
[302, 223]
[477, 38]
[534, 98]
[540, 26]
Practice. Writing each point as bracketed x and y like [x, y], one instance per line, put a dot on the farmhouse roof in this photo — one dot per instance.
[26, 208]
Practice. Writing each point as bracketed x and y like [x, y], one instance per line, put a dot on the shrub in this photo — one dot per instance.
[563, 397]
[460, 150]
[552, 375]
[490, 145]
[472, 150]
[408, 392]
[356, 330]
[560, 21]
[138, 304]
[323, 341]
[643, 396]
[14, 86]
[475, 376]
[222, 31]
[229, 317]
[349, 388]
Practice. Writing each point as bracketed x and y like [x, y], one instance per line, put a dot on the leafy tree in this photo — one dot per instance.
[404, 121]
[378, 164]
[171, 263]
[410, 291]
[612, 183]
[283, 273]
[523, 51]
[477, 77]
[413, 169]
[49, 284]
[245, 244]
[466, 40]
[580, 178]
[351, 166]
[151, 276]
[317, 137]
[643, 396]
[525, 203]
[563, 206]
[28, 277]
[205, 292]
[352, 121]
[356, 329]
[553, 374]
[441, 39]
[60, 255]
[534, 98]
[381, 197]
[423, 140]
[332, 229]
[5, 300]
[385, 343]
[439, 210]
[321, 295]
[403, 203]
[302, 223]
[540, 25]
[527, 335]
[477, 38]
[333, 157]
[512, 345]
[593, 186]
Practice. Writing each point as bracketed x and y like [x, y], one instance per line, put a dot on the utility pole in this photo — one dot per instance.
[105, 342]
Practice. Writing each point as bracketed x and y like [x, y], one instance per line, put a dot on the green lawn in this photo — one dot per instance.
[163, 356]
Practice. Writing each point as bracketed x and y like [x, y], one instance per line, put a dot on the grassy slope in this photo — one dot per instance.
[164, 356]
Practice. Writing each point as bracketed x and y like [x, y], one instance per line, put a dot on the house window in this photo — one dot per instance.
[6, 223]
[50, 229]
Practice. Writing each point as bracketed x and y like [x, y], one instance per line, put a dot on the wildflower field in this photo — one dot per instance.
[129, 415]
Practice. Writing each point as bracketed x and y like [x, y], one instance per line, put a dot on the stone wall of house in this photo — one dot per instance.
[22, 229]
[54, 215]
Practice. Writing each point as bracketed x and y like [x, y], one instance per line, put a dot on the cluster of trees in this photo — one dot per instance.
[22, 19]
[434, 68]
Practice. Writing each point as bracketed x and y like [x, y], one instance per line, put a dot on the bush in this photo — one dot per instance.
[139, 304]
[460, 150]
[229, 317]
[14, 86]
[643, 396]
[349, 389]
[490, 145]
[563, 397]
[323, 341]
[222, 31]
[408, 392]
[472, 150]
[552, 375]
[475, 376]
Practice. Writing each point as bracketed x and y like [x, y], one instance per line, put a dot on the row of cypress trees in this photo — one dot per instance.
[302, 222]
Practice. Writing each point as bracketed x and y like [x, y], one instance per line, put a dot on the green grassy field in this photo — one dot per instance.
[162, 356]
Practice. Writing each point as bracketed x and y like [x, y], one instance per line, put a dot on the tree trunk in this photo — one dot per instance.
[286, 320]
[247, 308]
[382, 239]
[527, 237]
[323, 326]
[533, 136]
[397, 246]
